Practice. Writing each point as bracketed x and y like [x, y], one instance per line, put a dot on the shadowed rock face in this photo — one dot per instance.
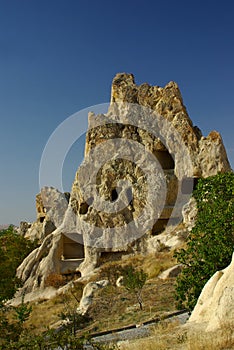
[129, 188]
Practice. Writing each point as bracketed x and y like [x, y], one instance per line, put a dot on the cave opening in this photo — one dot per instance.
[71, 248]
[165, 159]
[114, 195]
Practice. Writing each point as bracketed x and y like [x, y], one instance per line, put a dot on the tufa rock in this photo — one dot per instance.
[207, 153]
[88, 293]
[51, 206]
[215, 306]
[189, 213]
[119, 282]
[24, 227]
[128, 195]
[171, 272]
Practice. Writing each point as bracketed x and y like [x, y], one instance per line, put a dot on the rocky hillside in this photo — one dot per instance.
[131, 205]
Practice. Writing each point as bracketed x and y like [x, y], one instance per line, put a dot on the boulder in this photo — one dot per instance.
[88, 294]
[171, 272]
[215, 306]
[119, 282]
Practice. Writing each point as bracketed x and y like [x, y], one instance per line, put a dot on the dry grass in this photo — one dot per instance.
[115, 307]
[155, 264]
[152, 264]
[222, 339]
[112, 306]
[172, 336]
[46, 313]
[55, 280]
[166, 335]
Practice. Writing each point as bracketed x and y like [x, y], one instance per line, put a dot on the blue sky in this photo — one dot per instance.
[60, 56]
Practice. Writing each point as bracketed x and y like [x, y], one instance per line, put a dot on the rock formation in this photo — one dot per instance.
[141, 159]
[51, 206]
[215, 306]
[171, 272]
[87, 296]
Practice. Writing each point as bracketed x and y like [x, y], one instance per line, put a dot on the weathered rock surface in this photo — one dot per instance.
[41, 262]
[156, 119]
[128, 194]
[88, 294]
[212, 155]
[51, 206]
[215, 306]
[24, 227]
[189, 213]
[207, 153]
[119, 282]
[171, 272]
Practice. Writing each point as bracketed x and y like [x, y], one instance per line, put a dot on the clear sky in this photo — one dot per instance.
[60, 56]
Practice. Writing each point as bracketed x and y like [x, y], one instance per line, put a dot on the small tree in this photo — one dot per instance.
[23, 311]
[13, 249]
[211, 242]
[134, 281]
[12, 328]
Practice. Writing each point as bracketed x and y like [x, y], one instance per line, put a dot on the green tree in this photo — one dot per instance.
[211, 242]
[22, 312]
[134, 281]
[13, 249]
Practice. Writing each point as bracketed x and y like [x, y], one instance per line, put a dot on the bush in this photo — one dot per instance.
[13, 249]
[211, 242]
[11, 328]
[55, 280]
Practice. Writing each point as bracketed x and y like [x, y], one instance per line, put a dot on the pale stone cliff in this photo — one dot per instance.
[142, 160]
[215, 306]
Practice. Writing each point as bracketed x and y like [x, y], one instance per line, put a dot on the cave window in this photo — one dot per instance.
[83, 208]
[39, 278]
[42, 218]
[72, 249]
[114, 195]
[165, 159]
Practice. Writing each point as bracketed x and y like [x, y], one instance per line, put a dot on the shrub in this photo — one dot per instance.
[55, 280]
[211, 242]
[13, 249]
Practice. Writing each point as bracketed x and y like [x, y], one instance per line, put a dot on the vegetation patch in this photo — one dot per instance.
[211, 242]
